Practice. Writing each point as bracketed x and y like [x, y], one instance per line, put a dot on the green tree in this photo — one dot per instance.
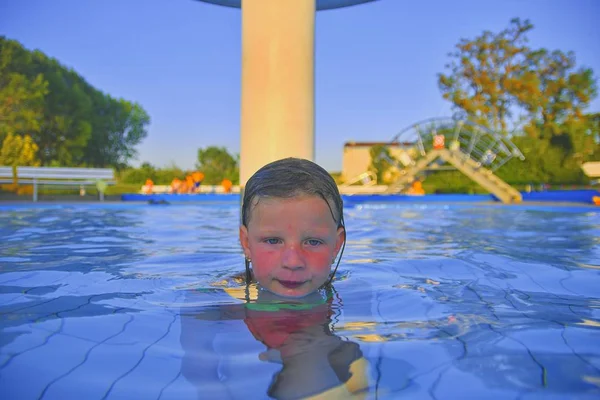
[18, 151]
[73, 123]
[117, 130]
[479, 71]
[587, 143]
[217, 164]
[381, 161]
[66, 127]
[21, 96]
[498, 81]
[164, 176]
[139, 175]
[557, 94]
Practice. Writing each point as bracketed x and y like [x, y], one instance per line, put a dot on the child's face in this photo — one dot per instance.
[292, 243]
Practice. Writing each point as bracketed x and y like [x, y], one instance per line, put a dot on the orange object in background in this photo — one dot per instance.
[189, 183]
[439, 142]
[227, 185]
[596, 200]
[147, 188]
[183, 187]
[175, 185]
[416, 188]
[198, 176]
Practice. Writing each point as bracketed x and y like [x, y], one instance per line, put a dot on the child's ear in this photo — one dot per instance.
[244, 240]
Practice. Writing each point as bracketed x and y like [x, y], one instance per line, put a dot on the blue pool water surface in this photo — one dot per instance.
[431, 301]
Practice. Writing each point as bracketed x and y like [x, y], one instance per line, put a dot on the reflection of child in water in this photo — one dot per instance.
[297, 334]
[291, 233]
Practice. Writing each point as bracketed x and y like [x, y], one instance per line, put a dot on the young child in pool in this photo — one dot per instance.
[292, 227]
[292, 232]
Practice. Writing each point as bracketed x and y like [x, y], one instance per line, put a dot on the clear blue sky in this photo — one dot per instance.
[376, 63]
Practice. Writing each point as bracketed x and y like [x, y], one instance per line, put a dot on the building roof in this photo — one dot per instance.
[371, 144]
[591, 169]
[321, 4]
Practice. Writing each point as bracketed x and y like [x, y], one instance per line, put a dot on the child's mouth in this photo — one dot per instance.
[291, 284]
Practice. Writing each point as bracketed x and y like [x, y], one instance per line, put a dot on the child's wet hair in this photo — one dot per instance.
[288, 178]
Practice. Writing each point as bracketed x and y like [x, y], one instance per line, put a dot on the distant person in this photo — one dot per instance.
[226, 184]
[183, 187]
[175, 185]
[198, 177]
[148, 186]
[416, 189]
[189, 182]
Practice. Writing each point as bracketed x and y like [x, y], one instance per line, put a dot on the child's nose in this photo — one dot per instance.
[292, 258]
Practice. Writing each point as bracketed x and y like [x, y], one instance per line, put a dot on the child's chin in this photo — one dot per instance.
[293, 293]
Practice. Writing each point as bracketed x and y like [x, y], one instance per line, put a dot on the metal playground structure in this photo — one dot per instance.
[474, 150]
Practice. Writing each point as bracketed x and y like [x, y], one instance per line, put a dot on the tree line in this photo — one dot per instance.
[215, 163]
[49, 114]
[62, 117]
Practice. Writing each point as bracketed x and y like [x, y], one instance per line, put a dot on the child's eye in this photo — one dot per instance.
[314, 242]
[272, 241]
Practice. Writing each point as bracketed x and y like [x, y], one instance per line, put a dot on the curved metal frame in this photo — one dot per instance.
[486, 147]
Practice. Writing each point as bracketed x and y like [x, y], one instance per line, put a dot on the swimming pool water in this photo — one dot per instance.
[124, 301]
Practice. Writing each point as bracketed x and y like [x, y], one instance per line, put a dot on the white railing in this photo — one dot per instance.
[37, 176]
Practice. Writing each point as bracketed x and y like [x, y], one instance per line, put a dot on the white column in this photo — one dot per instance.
[277, 119]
